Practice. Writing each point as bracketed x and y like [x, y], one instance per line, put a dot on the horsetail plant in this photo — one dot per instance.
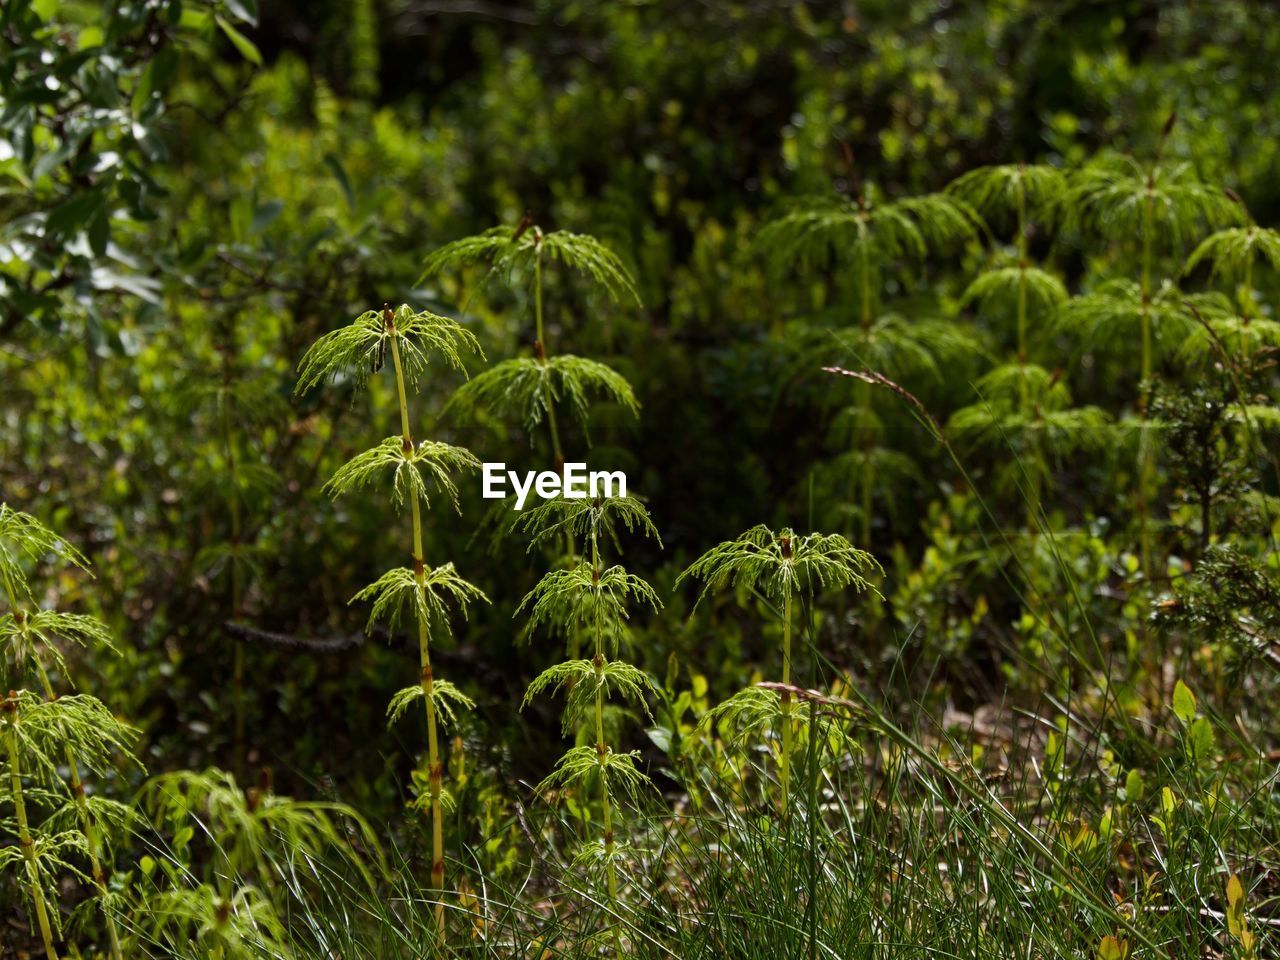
[255, 838]
[531, 388]
[1232, 254]
[426, 593]
[1160, 204]
[31, 638]
[871, 238]
[778, 566]
[1020, 402]
[597, 600]
[38, 734]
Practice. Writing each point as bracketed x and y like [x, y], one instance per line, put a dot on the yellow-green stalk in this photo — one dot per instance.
[87, 826]
[25, 841]
[434, 763]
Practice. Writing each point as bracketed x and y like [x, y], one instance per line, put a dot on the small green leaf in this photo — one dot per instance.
[1200, 739]
[661, 738]
[240, 41]
[1184, 702]
[1133, 786]
[91, 36]
[1235, 906]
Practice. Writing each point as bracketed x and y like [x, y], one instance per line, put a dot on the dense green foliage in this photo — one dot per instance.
[984, 296]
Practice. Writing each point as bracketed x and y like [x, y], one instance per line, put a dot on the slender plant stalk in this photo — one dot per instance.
[602, 748]
[1033, 498]
[1022, 274]
[1145, 458]
[863, 398]
[778, 564]
[25, 841]
[784, 761]
[540, 346]
[435, 766]
[87, 827]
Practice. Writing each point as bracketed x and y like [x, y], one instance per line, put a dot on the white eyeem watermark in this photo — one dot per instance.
[574, 483]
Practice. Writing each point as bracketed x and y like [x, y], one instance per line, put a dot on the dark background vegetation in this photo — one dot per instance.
[252, 207]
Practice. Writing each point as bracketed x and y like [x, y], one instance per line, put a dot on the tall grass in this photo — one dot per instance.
[918, 846]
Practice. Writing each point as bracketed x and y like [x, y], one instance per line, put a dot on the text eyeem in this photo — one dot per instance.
[575, 483]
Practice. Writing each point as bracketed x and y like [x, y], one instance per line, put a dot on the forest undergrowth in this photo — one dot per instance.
[940, 616]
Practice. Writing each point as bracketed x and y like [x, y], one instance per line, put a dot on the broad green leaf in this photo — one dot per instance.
[1184, 702]
[1200, 739]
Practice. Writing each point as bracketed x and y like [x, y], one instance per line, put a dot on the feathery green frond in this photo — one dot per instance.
[1120, 198]
[56, 855]
[817, 232]
[1228, 330]
[1061, 431]
[583, 518]
[593, 259]
[587, 679]
[111, 817]
[944, 222]
[360, 349]
[1235, 250]
[523, 387]
[29, 637]
[998, 192]
[597, 853]
[24, 539]
[1113, 313]
[248, 825]
[244, 926]
[747, 712]
[780, 564]
[896, 346]
[495, 245]
[756, 710]
[579, 599]
[398, 590]
[216, 558]
[47, 729]
[1022, 403]
[998, 289]
[501, 247]
[618, 771]
[448, 699]
[411, 468]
